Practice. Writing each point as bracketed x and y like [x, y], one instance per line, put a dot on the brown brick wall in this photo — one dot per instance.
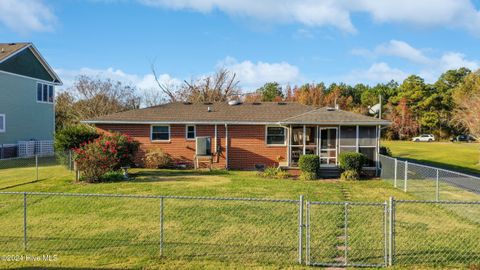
[246, 144]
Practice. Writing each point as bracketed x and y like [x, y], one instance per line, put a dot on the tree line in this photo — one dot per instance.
[447, 107]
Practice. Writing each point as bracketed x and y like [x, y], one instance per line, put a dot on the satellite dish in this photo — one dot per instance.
[375, 109]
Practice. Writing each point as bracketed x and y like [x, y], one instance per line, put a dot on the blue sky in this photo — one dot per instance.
[355, 41]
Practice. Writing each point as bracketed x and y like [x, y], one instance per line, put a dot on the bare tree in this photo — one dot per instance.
[219, 87]
[152, 97]
[89, 98]
[166, 89]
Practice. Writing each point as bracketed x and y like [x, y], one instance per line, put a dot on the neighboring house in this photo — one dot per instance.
[249, 135]
[27, 89]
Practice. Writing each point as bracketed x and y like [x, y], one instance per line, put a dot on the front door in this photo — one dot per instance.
[328, 147]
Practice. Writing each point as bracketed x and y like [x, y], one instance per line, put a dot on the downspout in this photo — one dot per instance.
[217, 154]
[226, 147]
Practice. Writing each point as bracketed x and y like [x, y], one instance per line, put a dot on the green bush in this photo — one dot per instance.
[275, 173]
[385, 151]
[309, 166]
[72, 137]
[307, 176]
[349, 175]
[351, 161]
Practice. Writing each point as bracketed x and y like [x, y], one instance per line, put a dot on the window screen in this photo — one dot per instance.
[275, 135]
[369, 152]
[348, 135]
[190, 132]
[160, 133]
[367, 136]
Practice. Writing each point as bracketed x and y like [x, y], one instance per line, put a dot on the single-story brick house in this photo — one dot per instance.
[249, 136]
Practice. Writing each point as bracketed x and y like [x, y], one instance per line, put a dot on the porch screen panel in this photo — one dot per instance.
[369, 152]
[348, 135]
[367, 136]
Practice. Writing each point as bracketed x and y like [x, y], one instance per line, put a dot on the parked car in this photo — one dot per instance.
[463, 138]
[424, 138]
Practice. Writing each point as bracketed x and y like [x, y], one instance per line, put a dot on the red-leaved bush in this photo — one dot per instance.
[104, 154]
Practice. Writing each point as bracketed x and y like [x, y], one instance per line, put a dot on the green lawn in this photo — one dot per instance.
[456, 156]
[110, 232]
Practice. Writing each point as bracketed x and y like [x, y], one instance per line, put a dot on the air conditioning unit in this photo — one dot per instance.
[202, 146]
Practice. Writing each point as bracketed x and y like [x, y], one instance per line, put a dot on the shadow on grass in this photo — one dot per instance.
[171, 175]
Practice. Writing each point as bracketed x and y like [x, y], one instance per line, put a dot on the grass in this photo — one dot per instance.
[456, 156]
[107, 232]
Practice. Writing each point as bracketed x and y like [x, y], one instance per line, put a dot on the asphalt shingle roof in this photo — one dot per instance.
[221, 112]
[7, 49]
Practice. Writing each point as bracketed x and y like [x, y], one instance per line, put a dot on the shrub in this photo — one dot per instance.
[307, 176]
[349, 175]
[72, 137]
[351, 161]
[112, 177]
[385, 151]
[156, 159]
[274, 172]
[310, 166]
[104, 154]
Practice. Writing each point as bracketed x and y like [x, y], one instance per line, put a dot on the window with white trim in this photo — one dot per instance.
[45, 93]
[160, 133]
[2, 123]
[275, 136]
[190, 132]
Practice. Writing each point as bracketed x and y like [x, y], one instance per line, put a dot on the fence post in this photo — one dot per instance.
[36, 166]
[161, 227]
[385, 232]
[437, 189]
[395, 174]
[300, 229]
[307, 234]
[405, 176]
[24, 221]
[346, 233]
[391, 238]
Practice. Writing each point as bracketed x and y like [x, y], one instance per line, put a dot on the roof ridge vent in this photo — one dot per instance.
[187, 103]
[331, 109]
[256, 103]
[282, 103]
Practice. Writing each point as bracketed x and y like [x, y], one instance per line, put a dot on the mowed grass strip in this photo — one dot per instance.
[456, 156]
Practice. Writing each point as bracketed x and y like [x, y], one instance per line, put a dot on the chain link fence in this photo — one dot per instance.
[246, 231]
[346, 234]
[429, 183]
[122, 227]
[433, 233]
[21, 170]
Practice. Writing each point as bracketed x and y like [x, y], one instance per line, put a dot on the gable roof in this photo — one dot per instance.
[243, 113]
[9, 51]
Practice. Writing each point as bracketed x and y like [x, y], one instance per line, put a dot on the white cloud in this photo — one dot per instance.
[140, 81]
[403, 50]
[253, 75]
[455, 60]
[337, 13]
[26, 16]
[395, 48]
[377, 73]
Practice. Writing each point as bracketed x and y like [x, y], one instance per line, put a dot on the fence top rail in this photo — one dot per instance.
[349, 203]
[436, 168]
[146, 196]
[437, 202]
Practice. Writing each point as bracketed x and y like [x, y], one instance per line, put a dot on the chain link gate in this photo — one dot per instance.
[346, 234]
